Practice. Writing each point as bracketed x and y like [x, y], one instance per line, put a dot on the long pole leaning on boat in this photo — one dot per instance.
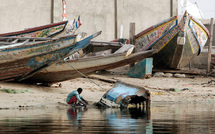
[94, 35]
[84, 75]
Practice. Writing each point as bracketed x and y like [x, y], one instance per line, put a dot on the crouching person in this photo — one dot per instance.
[75, 96]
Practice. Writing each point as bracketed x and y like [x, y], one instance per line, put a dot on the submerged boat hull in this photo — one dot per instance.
[124, 94]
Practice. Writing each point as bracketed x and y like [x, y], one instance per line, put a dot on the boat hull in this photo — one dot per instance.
[176, 43]
[41, 31]
[67, 70]
[51, 30]
[20, 62]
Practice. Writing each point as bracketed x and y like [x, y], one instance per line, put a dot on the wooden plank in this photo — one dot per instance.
[184, 71]
[132, 33]
[52, 12]
[131, 37]
[171, 8]
[102, 78]
[209, 47]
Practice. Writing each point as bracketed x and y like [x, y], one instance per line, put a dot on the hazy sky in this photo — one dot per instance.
[206, 6]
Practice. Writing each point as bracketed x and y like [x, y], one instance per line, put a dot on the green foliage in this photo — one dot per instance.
[12, 91]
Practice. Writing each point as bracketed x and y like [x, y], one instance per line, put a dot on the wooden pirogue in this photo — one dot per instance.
[50, 30]
[93, 60]
[20, 58]
[176, 40]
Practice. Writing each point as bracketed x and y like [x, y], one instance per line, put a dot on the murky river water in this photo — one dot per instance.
[177, 118]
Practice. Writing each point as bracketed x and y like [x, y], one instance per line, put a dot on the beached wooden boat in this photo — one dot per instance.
[56, 29]
[22, 57]
[176, 40]
[90, 63]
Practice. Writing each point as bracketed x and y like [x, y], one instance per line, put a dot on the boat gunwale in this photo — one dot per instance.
[30, 30]
[41, 43]
[150, 45]
[155, 26]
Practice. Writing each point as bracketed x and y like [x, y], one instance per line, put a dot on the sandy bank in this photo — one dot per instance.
[195, 89]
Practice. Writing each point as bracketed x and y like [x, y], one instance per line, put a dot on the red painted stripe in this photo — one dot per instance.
[33, 29]
[143, 32]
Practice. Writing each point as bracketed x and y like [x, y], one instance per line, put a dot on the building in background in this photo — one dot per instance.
[96, 15]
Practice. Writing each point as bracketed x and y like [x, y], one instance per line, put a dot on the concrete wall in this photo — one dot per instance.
[19, 14]
[96, 15]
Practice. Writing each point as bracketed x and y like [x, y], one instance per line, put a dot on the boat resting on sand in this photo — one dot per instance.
[176, 41]
[20, 58]
[96, 61]
[51, 30]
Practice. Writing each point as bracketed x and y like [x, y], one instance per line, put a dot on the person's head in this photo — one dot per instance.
[79, 90]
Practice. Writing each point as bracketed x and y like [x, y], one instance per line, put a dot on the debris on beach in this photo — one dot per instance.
[209, 83]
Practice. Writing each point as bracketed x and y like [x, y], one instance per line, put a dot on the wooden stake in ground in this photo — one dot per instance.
[131, 36]
[209, 46]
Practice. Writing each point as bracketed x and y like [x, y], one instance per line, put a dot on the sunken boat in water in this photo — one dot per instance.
[124, 95]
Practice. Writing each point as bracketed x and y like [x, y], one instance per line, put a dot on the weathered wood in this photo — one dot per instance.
[103, 43]
[131, 37]
[102, 78]
[192, 72]
[126, 95]
[20, 39]
[171, 7]
[132, 33]
[40, 31]
[19, 62]
[209, 47]
[52, 12]
[68, 70]
[175, 45]
[115, 18]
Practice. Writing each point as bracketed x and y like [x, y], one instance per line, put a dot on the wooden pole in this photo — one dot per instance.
[131, 36]
[115, 18]
[131, 33]
[171, 8]
[52, 11]
[209, 47]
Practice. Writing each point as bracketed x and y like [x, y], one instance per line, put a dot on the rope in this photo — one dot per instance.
[84, 75]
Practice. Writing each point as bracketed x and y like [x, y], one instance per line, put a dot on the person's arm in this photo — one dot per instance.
[81, 100]
[84, 101]
[78, 97]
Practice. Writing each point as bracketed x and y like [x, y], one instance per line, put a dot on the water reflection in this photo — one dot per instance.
[75, 116]
[131, 120]
[190, 119]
